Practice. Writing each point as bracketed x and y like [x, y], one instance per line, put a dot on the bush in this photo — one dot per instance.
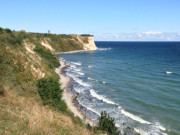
[10, 37]
[86, 35]
[50, 93]
[106, 123]
[1, 30]
[52, 60]
[8, 30]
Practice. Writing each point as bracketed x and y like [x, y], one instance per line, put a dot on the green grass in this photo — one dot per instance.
[53, 62]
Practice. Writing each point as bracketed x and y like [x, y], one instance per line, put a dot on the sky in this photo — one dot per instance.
[107, 20]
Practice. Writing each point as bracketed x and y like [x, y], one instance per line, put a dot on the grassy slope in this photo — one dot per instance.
[22, 111]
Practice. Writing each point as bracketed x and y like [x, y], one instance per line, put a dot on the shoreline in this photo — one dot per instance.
[68, 97]
[77, 51]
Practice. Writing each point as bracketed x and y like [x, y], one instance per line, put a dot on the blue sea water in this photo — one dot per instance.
[137, 83]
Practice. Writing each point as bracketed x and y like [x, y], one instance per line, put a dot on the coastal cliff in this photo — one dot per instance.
[89, 45]
[26, 58]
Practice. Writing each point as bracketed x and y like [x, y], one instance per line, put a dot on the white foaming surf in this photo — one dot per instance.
[90, 66]
[89, 78]
[90, 109]
[151, 132]
[159, 126]
[72, 66]
[168, 72]
[77, 69]
[140, 131]
[94, 94]
[78, 89]
[80, 73]
[78, 80]
[104, 49]
[76, 63]
[136, 118]
[92, 79]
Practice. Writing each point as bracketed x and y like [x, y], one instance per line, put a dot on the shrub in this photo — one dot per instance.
[52, 60]
[8, 30]
[1, 30]
[50, 93]
[106, 123]
[86, 35]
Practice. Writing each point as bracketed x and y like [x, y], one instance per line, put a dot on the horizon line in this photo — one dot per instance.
[137, 41]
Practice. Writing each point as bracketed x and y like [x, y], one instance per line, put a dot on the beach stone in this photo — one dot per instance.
[128, 127]
[79, 109]
[90, 99]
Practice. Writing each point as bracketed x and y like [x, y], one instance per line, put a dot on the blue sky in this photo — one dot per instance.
[107, 20]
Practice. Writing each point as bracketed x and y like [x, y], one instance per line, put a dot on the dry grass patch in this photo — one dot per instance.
[24, 115]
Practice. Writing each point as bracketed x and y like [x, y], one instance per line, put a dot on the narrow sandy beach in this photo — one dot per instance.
[67, 96]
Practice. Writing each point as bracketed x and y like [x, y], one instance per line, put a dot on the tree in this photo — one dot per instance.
[106, 123]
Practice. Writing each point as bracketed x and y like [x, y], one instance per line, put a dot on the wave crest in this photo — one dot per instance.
[104, 49]
[94, 94]
[76, 63]
[78, 80]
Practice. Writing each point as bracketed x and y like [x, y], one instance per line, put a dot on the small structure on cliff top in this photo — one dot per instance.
[49, 32]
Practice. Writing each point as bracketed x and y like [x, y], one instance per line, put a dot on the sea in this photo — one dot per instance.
[136, 83]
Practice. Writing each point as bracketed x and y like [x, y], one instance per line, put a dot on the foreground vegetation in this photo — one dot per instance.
[30, 94]
[107, 124]
[50, 93]
[27, 73]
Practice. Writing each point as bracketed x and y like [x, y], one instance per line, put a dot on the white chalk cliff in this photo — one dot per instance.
[90, 45]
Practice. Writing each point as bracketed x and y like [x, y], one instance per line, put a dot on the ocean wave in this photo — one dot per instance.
[92, 79]
[77, 69]
[157, 125]
[78, 89]
[72, 66]
[136, 118]
[140, 131]
[78, 80]
[88, 108]
[90, 66]
[89, 78]
[151, 132]
[104, 49]
[94, 94]
[76, 63]
[62, 59]
[168, 72]
[80, 73]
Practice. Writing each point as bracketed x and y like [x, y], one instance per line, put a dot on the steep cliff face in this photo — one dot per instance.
[87, 42]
